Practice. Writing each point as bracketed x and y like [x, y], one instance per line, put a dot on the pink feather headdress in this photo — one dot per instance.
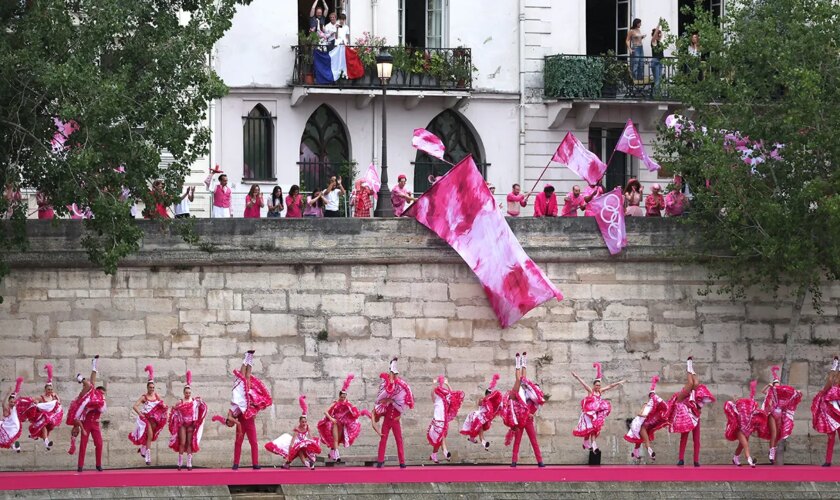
[346, 384]
[653, 382]
[598, 373]
[303, 406]
[151, 372]
[775, 371]
[18, 384]
[49, 368]
[753, 385]
[493, 382]
[189, 379]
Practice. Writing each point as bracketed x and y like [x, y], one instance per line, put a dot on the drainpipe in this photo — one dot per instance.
[373, 134]
[522, 93]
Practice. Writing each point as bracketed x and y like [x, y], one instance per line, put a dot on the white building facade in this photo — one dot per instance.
[278, 127]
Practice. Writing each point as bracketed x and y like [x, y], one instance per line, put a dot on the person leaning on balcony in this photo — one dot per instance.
[294, 203]
[317, 16]
[314, 205]
[182, 208]
[572, 203]
[222, 198]
[275, 203]
[331, 196]
[657, 52]
[253, 203]
[655, 202]
[676, 201]
[342, 33]
[636, 49]
[400, 196]
[545, 204]
[331, 30]
[515, 200]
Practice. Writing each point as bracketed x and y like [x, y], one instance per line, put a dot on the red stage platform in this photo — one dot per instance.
[416, 474]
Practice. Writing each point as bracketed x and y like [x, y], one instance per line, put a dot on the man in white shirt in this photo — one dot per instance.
[331, 196]
[342, 35]
[182, 208]
[330, 31]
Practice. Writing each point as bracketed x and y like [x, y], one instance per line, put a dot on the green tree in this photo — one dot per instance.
[768, 72]
[133, 75]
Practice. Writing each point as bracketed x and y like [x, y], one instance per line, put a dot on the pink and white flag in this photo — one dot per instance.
[372, 179]
[64, 131]
[608, 210]
[461, 210]
[579, 159]
[428, 143]
[631, 143]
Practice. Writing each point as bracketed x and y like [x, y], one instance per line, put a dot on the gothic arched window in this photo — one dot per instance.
[459, 139]
[258, 144]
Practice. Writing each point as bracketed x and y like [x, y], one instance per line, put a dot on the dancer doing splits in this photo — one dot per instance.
[518, 410]
[478, 421]
[248, 397]
[299, 444]
[743, 417]
[652, 417]
[447, 403]
[84, 414]
[45, 413]
[10, 426]
[594, 409]
[780, 404]
[186, 424]
[684, 411]
[393, 399]
[151, 418]
[340, 425]
[825, 410]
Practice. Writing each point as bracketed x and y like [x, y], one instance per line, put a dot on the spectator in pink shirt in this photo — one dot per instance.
[676, 202]
[655, 202]
[515, 200]
[545, 204]
[221, 198]
[253, 203]
[294, 203]
[572, 203]
[45, 209]
[590, 193]
[400, 196]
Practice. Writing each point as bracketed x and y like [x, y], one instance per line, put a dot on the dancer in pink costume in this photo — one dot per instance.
[186, 424]
[684, 411]
[518, 410]
[447, 403]
[825, 410]
[300, 444]
[743, 417]
[780, 404]
[340, 425]
[45, 413]
[393, 399]
[151, 418]
[594, 409]
[248, 397]
[652, 417]
[11, 427]
[478, 421]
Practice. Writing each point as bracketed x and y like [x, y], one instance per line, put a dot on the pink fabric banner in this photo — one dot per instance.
[428, 143]
[608, 210]
[631, 143]
[461, 210]
[372, 179]
[579, 159]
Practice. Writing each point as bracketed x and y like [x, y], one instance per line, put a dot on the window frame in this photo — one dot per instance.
[266, 130]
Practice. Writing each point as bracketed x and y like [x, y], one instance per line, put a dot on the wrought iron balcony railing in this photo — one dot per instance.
[607, 77]
[414, 69]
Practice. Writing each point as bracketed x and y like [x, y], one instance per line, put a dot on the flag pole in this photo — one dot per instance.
[539, 178]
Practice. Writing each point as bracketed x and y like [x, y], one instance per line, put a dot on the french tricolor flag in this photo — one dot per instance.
[338, 62]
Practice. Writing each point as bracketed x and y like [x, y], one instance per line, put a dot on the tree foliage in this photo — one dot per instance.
[768, 75]
[134, 76]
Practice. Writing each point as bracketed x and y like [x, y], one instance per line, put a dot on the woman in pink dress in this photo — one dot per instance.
[652, 417]
[780, 402]
[151, 418]
[594, 409]
[301, 445]
[518, 410]
[633, 193]
[253, 203]
[340, 425]
[294, 203]
[186, 424]
[478, 421]
[10, 426]
[45, 413]
[743, 417]
[684, 410]
[825, 410]
[446, 403]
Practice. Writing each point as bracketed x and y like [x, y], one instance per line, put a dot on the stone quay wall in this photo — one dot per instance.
[321, 299]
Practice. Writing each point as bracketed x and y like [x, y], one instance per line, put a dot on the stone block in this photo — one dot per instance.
[190, 303]
[438, 271]
[640, 337]
[379, 309]
[721, 332]
[476, 313]
[403, 328]
[342, 304]
[404, 271]
[258, 301]
[175, 279]
[431, 328]
[631, 291]
[609, 330]
[273, 325]
[74, 279]
[430, 291]
[732, 353]
[100, 303]
[247, 281]
[518, 334]
[220, 299]
[616, 311]
[99, 345]
[757, 331]
[197, 316]
[139, 348]
[165, 369]
[16, 328]
[470, 291]
[416, 348]
[380, 329]
[233, 316]
[307, 303]
[218, 347]
[408, 310]
[458, 329]
[63, 347]
[323, 282]
[348, 326]
[152, 305]
[127, 328]
[365, 271]
[300, 368]
[769, 312]
[43, 307]
[575, 330]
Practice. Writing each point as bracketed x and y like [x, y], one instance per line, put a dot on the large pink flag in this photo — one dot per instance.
[631, 143]
[608, 210]
[372, 179]
[428, 143]
[579, 159]
[460, 209]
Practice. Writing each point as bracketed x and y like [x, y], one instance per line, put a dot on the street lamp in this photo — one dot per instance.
[384, 65]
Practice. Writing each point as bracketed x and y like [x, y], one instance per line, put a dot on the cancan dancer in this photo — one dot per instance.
[447, 403]
[780, 404]
[186, 424]
[478, 421]
[87, 400]
[248, 397]
[340, 425]
[393, 399]
[743, 417]
[518, 410]
[594, 409]
[299, 444]
[685, 409]
[11, 427]
[151, 418]
[825, 410]
[45, 413]
[652, 417]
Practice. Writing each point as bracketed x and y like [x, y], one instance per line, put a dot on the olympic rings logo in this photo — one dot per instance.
[610, 214]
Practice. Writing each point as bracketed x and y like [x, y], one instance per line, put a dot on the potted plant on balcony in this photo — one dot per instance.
[616, 75]
[439, 69]
[308, 41]
[462, 67]
[402, 65]
[368, 47]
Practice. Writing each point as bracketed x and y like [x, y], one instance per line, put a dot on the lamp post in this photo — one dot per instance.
[384, 208]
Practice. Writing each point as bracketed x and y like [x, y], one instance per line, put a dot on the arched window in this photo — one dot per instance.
[324, 150]
[258, 144]
[459, 140]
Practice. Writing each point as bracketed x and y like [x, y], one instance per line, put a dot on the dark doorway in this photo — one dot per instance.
[459, 140]
[303, 12]
[607, 24]
[685, 19]
[414, 34]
